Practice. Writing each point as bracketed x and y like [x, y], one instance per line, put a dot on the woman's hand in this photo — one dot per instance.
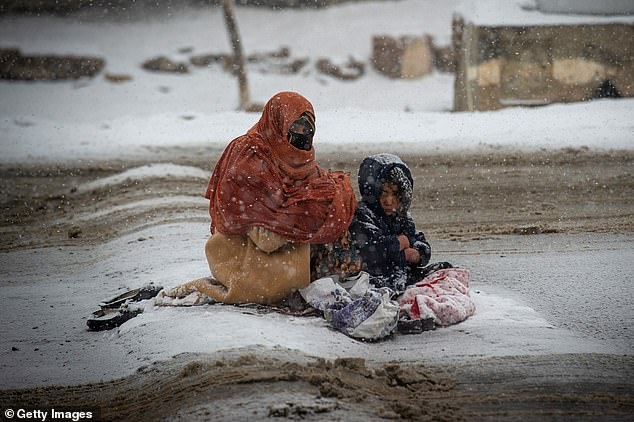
[266, 240]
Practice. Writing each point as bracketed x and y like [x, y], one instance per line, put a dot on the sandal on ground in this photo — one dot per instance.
[135, 295]
[107, 319]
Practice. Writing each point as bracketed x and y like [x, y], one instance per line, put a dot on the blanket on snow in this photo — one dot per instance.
[443, 295]
[361, 311]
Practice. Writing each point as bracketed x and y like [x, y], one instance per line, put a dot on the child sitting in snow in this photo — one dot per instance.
[396, 256]
[393, 252]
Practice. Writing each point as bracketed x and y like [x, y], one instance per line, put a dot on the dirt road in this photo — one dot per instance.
[251, 387]
[457, 197]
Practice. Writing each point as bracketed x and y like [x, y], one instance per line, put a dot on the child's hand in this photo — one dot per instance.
[403, 242]
[412, 256]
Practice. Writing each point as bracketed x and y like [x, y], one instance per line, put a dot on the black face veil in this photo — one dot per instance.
[301, 132]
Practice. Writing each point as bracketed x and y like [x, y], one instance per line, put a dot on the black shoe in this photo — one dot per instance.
[107, 319]
[410, 326]
[415, 326]
[432, 268]
[428, 324]
[135, 295]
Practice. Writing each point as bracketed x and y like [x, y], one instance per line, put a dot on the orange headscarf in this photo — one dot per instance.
[262, 180]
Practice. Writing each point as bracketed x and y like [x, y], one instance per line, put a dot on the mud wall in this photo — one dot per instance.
[405, 57]
[498, 67]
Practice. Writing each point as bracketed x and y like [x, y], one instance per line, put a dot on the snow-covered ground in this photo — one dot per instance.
[48, 292]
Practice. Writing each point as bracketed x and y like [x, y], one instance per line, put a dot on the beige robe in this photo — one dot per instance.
[259, 267]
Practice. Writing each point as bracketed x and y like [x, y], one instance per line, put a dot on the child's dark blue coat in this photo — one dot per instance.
[375, 234]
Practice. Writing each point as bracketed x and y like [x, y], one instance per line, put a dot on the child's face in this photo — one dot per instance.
[389, 199]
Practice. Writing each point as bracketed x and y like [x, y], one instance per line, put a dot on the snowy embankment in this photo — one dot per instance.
[97, 119]
[599, 125]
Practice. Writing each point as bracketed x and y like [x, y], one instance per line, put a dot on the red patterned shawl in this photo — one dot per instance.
[262, 180]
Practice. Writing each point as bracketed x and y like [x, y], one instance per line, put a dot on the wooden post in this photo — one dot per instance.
[460, 81]
[470, 51]
[238, 57]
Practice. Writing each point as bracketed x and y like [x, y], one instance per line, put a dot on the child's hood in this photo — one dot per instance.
[375, 170]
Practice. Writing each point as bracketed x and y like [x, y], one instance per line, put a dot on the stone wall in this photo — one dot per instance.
[535, 65]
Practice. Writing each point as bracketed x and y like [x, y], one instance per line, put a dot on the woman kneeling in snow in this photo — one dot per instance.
[268, 201]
